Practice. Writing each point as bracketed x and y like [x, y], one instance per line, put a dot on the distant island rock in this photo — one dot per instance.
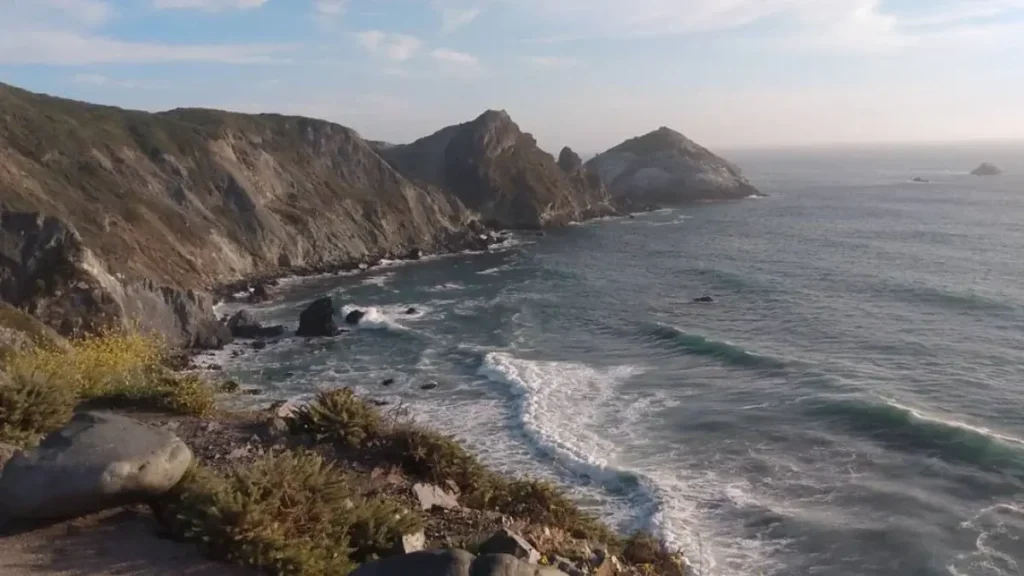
[665, 167]
[919, 180]
[986, 169]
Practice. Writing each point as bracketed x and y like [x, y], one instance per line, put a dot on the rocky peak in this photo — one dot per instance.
[570, 161]
[986, 169]
[663, 139]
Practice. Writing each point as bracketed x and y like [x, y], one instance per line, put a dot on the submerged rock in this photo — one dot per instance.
[245, 326]
[96, 461]
[704, 299]
[354, 317]
[986, 169]
[318, 319]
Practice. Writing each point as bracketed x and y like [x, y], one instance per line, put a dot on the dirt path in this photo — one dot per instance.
[114, 543]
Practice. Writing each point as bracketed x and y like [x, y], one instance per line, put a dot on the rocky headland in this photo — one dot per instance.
[119, 229]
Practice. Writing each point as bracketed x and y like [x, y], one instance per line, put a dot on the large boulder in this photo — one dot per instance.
[244, 325]
[452, 563]
[354, 317]
[96, 461]
[318, 319]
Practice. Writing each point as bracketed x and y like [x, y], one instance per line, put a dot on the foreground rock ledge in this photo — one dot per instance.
[453, 563]
[97, 461]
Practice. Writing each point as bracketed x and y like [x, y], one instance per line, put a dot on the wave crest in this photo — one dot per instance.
[726, 352]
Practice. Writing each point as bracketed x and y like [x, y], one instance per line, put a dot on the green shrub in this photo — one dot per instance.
[338, 416]
[31, 406]
[172, 393]
[285, 514]
[643, 549]
[435, 458]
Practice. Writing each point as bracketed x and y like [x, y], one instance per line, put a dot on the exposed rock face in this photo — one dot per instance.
[190, 198]
[570, 161]
[498, 171]
[986, 169]
[665, 167]
[97, 461]
[46, 270]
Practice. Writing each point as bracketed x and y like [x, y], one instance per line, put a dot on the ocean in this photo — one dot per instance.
[852, 402]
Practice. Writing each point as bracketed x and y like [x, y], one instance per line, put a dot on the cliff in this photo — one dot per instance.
[665, 167]
[499, 172]
[186, 199]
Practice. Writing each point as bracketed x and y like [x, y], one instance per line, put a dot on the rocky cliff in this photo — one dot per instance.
[140, 208]
[665, 167]
[499, 172]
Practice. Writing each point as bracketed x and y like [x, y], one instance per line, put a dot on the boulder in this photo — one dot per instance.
[430, 496]
[429, 386]
[505, 541]
[452, 563]
[318, 319]
[259, 293]
[704, 299]
[411, 311]
[97, 461]
[388, 382]
[354, 317]
[986, 169]
[245, 326]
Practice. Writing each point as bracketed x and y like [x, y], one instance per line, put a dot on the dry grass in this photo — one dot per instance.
[110, 370]
[341, 418]
[286, 514]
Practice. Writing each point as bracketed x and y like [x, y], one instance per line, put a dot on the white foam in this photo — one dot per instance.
[550, 394]
[996, 527]
[378, 279]
[952, 423]
[496, 269]
[673, 222]
[374, 319]
[447, 287]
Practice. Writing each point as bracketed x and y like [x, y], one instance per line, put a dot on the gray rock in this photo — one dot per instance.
[452, 563]
[96, 461]
[244, 325]
[506, 565]
[410, 543]
[568, 567]
[426, 563]
[430, 496]
[505, 541]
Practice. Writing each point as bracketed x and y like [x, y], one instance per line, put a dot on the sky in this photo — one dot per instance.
[584, 73]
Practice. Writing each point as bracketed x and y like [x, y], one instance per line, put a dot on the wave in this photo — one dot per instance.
[726, 352]
[374, 319]
[447, 287]
[378, 279]
[673, 222]
[913, 430]
[950, 299]
[496, 269]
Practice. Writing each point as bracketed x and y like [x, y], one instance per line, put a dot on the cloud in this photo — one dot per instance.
[454, 18]
[208, 5]
[552, 61]
[329, 7]
[852, 25]
[101, 80]
[68, 48]
[398, 47]
[453, 57]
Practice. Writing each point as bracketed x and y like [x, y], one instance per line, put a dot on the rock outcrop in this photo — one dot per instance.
[245, 326]
[46, 270]
[986, 169]
[498, 171]
[318, 319]
[97, 461]
[664, 168]
[453, 563]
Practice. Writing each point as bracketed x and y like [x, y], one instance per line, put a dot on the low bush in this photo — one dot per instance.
[286, 514]
[30, 406]
[338, 416]
[643, 549]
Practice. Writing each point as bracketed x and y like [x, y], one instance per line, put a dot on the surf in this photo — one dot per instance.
[725, 352]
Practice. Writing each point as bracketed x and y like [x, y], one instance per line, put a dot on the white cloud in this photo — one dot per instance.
[208, 5]
[329, 7]
[67, 48]
[860, 25]
[552, 61]
[454, 18]
[453, 57]
[398, 47]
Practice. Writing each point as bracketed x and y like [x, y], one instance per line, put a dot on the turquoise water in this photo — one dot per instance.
[851, 404]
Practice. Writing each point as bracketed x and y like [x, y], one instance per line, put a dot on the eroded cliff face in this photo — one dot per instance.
[665, 167]
[147, 210]
[499, 172]
[189, 198]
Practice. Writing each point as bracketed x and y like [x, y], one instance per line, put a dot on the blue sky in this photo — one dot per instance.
[588, 73]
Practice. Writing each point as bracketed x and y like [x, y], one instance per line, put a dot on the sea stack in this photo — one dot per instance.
[986, 169]
[665, 167]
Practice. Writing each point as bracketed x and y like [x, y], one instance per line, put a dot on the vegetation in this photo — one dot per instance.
[287, 513]
[110, 370]
[341, 418]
